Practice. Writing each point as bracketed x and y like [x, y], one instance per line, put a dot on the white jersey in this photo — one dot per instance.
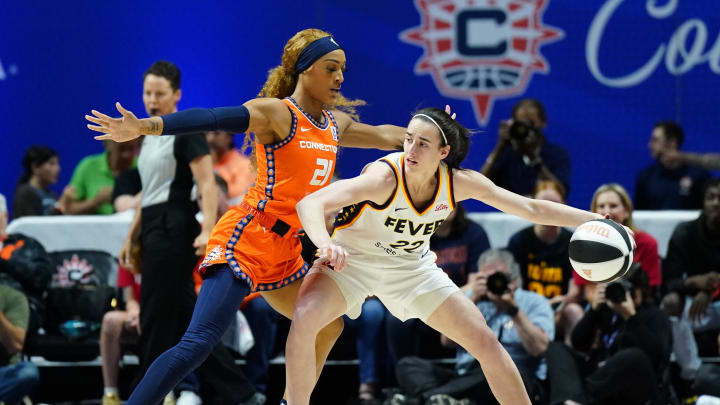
[397, 233]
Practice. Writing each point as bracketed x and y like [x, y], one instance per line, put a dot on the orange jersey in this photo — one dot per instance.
[295, 167]
[287, 171]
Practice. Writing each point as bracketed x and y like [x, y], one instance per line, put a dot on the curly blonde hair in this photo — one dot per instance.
[282, 79]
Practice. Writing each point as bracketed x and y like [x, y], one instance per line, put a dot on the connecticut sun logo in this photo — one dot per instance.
[481, 49]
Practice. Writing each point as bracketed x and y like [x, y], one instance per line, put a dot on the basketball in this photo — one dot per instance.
[601, 251]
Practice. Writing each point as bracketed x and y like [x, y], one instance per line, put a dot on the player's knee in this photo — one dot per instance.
[673, 304]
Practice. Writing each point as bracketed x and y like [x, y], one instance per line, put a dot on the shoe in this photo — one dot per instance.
[169, 399]
[110, 399]
[258, 398]
[444, 399]
[188, 398]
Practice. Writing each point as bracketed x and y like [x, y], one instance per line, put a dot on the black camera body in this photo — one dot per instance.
[519, 130]
[497, 283]
[615, 292]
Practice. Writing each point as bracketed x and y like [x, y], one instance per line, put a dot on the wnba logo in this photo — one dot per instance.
[481, 49]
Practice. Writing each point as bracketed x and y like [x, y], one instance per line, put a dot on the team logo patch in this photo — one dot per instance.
[333, 130]
[481, 50]
[74, 272]
[215, 254]
[441, 206]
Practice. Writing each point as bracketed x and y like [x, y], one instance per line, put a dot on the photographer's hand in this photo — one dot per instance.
[626, 309]
[504, 303]
[598, 298]
[478, 286]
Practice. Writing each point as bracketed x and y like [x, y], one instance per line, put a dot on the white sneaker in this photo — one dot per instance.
[188, 398]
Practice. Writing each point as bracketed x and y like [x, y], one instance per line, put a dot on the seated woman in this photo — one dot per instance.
[613, 200]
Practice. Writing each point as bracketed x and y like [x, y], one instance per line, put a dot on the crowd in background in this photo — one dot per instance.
[637, 340]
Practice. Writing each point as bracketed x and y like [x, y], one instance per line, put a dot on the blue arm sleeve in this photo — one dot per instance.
[231, 119]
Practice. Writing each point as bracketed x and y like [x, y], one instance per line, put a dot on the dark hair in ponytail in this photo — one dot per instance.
[458, 137]
[34, 156]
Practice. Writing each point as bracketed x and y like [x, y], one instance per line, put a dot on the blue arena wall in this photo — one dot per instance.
[606, 70]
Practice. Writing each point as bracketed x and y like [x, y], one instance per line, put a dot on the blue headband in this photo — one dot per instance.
[314, 51]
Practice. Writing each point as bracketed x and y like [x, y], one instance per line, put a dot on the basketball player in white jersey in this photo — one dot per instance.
[380, 246]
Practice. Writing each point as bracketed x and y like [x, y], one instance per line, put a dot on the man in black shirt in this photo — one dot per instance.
[666, 184]
[691, 274]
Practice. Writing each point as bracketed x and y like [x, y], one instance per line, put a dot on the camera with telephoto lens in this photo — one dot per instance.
[497, 283]
[615, 291]
[519, 130]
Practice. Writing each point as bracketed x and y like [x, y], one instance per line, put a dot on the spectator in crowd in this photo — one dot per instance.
[232, 165]
[542, 253]
[692, 278]
[523, 323]
[92, 182]
[458, 243]
[17, 378]
[620, 348]
[118, 327]
[523, 155]
[170, 237]
[613, 200]
[668, 184]
[33, 196]
[121, 327]
[707, 161]
[24, 266]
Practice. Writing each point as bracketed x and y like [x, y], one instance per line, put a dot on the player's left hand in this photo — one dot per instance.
[626, 309]
[201, 242]
[335, 255]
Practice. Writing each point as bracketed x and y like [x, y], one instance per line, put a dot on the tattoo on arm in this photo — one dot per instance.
[154, 127]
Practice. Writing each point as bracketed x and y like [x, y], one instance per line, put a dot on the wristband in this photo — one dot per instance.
[512, 311]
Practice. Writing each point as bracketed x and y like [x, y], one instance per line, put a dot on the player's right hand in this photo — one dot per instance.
[122, 129]
[334, 255]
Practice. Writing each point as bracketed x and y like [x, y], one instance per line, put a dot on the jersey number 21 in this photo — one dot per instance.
[322, 173]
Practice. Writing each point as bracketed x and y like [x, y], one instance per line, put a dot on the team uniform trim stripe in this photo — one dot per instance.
[407, 193]
[312, 120]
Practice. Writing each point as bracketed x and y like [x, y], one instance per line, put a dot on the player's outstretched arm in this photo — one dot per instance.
[376, 184]
[355, 134]
[471, 184]
[257, 115]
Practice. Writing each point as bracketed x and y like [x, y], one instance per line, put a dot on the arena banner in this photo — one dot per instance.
[606, 70]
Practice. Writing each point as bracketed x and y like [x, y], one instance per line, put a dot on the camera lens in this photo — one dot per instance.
[497, 283]
[615, 293]
[519, 130]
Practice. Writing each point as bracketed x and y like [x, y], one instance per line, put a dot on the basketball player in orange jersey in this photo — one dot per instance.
[298, 125]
